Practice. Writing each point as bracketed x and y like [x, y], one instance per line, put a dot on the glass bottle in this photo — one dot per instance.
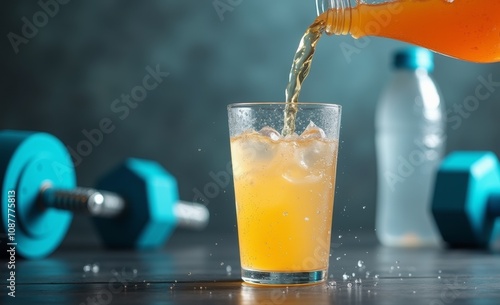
[463, 29]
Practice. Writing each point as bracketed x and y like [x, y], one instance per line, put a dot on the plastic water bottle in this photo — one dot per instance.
[410, 139]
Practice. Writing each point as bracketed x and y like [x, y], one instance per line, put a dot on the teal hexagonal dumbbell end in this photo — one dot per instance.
[466, 201]
[151, 194]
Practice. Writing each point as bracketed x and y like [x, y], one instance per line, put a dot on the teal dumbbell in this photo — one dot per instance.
[135, 206]
[466, 201]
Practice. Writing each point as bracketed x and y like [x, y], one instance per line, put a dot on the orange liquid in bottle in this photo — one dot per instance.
[464, 29]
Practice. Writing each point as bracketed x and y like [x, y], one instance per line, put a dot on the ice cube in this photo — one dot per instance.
[292, 136]
[271, 133]
[313, 153]
[313, 132]
[254, 148]
[295, 175]
[251, 152]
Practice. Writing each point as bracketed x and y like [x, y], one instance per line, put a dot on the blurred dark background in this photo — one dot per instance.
[66, 77]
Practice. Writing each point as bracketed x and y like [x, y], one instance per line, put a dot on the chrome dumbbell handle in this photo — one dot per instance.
[84, 201]
[191, 215]
[108, 205]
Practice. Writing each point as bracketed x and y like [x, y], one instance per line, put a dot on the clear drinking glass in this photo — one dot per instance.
[284, 189]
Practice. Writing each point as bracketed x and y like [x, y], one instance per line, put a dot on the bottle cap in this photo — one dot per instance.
[414, 58]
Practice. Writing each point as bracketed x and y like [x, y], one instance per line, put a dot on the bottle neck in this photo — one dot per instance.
[337, 15]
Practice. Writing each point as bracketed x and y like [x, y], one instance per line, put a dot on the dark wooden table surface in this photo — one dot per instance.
[203, 268]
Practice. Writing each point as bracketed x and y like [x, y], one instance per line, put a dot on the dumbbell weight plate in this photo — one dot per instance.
[28, 161]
